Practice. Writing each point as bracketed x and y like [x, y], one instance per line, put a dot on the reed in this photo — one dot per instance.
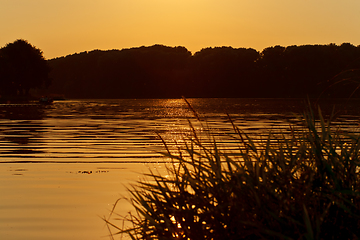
[303, 185]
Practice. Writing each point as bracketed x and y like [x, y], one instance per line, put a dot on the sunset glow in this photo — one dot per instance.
[64, 27]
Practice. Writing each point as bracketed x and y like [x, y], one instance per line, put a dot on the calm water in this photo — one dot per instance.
[119, 130]
[64, 165]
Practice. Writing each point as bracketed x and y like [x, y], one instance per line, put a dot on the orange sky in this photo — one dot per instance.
[61, 27]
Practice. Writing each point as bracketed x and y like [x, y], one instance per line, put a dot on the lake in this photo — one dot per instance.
[63, 166]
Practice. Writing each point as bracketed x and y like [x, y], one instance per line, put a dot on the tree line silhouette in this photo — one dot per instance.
[170, 72]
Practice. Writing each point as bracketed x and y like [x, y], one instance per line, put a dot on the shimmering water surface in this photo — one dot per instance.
[62, 166]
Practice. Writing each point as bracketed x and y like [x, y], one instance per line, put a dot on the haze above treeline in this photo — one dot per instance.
[160, 71]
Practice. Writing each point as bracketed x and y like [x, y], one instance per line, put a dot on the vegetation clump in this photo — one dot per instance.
[303, 185]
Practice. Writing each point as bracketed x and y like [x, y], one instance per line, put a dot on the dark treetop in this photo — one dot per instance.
[22, 67]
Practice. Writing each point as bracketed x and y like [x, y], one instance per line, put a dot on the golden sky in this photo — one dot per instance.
[62, 27]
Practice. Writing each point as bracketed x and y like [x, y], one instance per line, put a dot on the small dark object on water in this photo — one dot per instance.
[46, 100]
[86, 172]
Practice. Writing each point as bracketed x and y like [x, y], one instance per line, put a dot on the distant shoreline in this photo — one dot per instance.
[171, 72]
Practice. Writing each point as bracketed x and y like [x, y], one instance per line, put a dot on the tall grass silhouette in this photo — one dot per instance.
[302, 185]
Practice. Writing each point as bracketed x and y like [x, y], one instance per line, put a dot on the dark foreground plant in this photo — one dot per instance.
[304, 185]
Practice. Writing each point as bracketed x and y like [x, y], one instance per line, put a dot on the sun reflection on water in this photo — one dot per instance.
[109, 143]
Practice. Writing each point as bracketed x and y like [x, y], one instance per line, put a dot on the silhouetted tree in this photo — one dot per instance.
[347, 82]
[272, 65]
[307, 70]
[145, 72]
[169, 72]
[223, 72]
[22, 67]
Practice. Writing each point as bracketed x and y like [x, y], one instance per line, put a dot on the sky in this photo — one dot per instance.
[62, 27]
